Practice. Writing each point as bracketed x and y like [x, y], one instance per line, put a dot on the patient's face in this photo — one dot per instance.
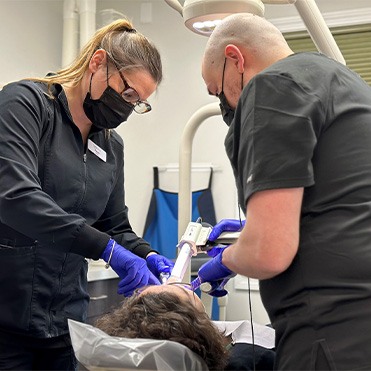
[183, 291]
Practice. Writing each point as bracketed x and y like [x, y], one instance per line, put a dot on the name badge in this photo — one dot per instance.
[99, 152]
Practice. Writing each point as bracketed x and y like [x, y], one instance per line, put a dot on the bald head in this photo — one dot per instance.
[258, 39]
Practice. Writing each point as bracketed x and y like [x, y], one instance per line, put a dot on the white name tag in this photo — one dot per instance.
[97, 150]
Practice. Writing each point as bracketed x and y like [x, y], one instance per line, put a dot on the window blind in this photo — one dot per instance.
[354, 43]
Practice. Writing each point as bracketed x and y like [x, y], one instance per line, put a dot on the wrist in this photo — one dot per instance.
[222, 263]
[108, 251]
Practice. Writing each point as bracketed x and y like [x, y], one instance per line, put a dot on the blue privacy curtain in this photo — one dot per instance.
[161, 227]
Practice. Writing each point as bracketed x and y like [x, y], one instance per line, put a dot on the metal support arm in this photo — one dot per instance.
[185, 163]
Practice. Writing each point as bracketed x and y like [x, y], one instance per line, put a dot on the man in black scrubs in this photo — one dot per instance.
[299, 142]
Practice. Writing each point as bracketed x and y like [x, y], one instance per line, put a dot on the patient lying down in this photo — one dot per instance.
[170, 312]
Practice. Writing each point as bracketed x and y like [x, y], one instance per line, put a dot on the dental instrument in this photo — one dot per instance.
[187, 247]
[195, 241]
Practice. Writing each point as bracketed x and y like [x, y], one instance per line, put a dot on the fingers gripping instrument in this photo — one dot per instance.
[213, 248]
[195, 241]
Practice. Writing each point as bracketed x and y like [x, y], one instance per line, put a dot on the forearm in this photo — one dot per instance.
[269, 241]
[250, 263]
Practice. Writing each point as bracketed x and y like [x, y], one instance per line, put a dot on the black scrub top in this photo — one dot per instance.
[306, 122]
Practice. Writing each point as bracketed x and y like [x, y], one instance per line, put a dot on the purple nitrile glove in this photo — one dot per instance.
[131, 268]
[158, 264]
[216, 288]
[216, 273]
[216, 250]
[226, 225]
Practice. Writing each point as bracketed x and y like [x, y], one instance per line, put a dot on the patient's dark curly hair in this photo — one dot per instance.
[164, 316]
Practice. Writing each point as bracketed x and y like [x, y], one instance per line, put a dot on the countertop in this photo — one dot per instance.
[97, 271]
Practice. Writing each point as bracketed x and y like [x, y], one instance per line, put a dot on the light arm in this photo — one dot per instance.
[185, 163]
[318, 30]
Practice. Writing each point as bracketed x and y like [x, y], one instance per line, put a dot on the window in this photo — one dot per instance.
[354, 43]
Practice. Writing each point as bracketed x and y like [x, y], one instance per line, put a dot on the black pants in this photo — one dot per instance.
[19, 352]
[247, 357]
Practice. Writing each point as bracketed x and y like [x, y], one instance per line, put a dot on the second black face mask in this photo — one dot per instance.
[109, 111]
[227, 111]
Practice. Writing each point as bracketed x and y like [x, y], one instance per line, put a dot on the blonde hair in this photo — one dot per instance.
[129, 49]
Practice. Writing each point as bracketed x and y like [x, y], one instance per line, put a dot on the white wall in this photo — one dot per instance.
[31, 39]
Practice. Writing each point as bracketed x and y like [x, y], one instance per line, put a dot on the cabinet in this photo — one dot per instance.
[103, 298]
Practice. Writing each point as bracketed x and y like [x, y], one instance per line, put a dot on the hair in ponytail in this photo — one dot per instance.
[129, 49]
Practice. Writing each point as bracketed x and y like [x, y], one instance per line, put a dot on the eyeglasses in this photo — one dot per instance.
[130, 95]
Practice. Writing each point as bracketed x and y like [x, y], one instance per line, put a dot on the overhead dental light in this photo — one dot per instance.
[201, 16]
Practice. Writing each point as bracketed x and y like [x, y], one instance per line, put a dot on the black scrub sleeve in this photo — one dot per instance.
[115, 220]
[279, 122]
[89, 242]
[24, 206]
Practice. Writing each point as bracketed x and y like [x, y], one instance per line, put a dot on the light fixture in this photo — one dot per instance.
[202, 16]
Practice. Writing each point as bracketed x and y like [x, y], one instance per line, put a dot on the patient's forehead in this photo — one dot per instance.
[178, 290]
[174, 289]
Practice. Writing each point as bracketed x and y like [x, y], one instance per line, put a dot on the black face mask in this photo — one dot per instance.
[227, 111]
[109, 111]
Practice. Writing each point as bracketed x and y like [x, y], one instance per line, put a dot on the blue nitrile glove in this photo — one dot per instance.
[216, 250]
[226, 225]
[216, 273]
[158, 264]
[217, 288]
[131, 268]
